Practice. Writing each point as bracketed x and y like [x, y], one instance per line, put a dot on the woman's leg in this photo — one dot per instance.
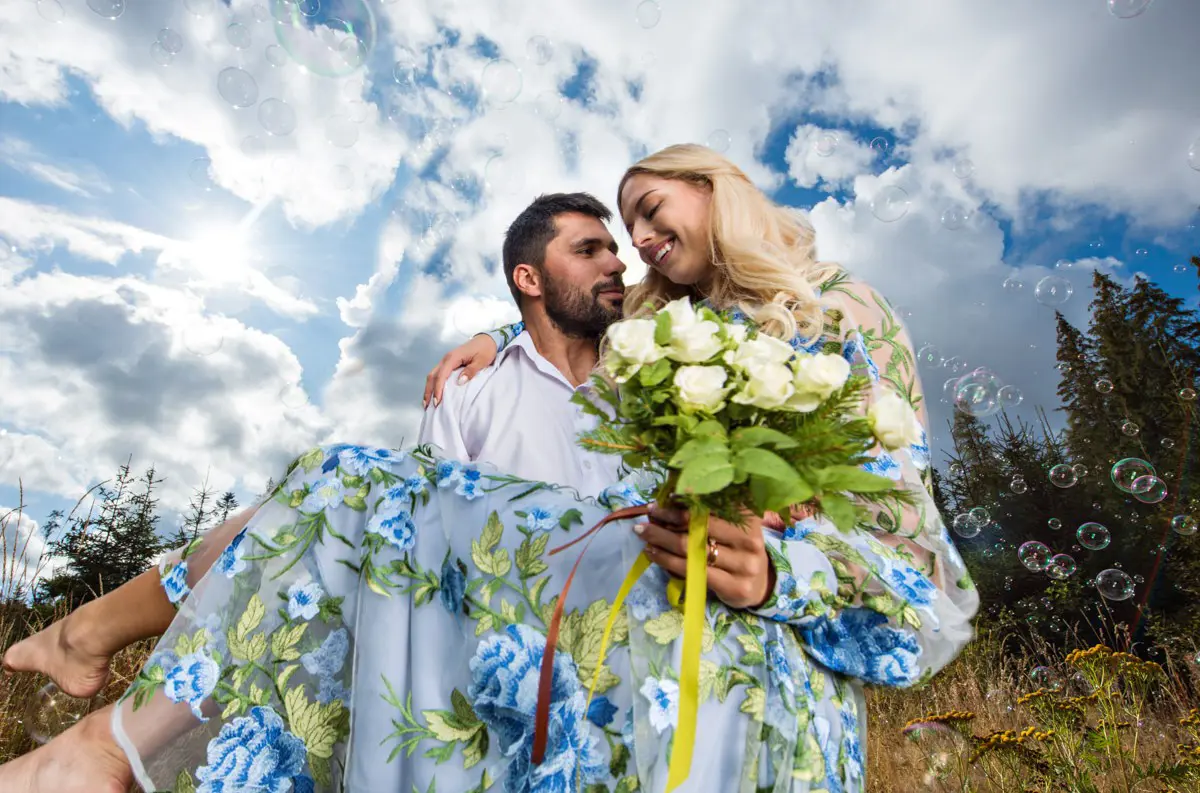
[84, 759]
[74, 652]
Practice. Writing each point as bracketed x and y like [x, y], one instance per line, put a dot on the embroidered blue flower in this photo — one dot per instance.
[192, 680]
[361, 460]
[789, 599]
[627, 730]
[165, 659]
[327, 660]
[252, 753]
[919, 452]
[503, 692]
[909, 583]
[622, 494]
[854, 350]
[447, 472]
[416, 484]
[858, 642]
[829, 750]
[780, 667]
[542, 519]
[470, 484]
[329, 689]
[230, 562]
[454, 586]
[851, 746]
[800, 529]
[303, 784]
[304, 600]
[325, 493]
[395, 524]
[648, 597]
[175, 582]
[884, 464]
[663, 694]
[601, 712]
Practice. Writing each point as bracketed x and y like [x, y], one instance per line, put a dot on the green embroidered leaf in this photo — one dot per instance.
[750, 644]
[231, 709]
[321, 772]
[484, 625]
[239, 676]
[508, 612]
[709, 672]
[475, 749]
[481, 548]
[462, 708]
[760, 436]
[356, 503]
[501, 562]
[884, 603]
[284, 641]
[297, 497]
[571, 517]
[535, 593]
[311, 459]
[257, 695]
[529, 555]
[620, 758]
[314, 724]
[627, 784]
[282, 679]
[251, 617]
[755, 703]
[445, 727]
[184, 783]
[666, 627]
[353, 483]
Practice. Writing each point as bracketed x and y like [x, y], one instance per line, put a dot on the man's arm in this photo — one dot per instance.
[442, 425]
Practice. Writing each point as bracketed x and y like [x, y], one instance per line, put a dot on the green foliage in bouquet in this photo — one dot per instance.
[736, 420]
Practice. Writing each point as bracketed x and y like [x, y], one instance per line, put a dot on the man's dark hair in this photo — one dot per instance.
[527, 237]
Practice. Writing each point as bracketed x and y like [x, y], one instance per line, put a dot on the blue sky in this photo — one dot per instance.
[211, 289]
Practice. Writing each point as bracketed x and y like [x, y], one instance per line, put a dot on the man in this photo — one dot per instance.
[562, 269]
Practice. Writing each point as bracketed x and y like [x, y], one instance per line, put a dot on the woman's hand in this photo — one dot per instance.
[473, 356]
[740, 573]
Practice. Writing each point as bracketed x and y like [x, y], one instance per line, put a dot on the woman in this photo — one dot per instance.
[382, 620]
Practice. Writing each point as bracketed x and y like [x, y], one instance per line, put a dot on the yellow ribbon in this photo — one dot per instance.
[693, 638]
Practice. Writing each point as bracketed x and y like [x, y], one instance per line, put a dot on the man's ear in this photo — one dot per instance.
[528, 280]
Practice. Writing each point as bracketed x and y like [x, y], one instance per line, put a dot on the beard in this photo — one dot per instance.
[577, 313]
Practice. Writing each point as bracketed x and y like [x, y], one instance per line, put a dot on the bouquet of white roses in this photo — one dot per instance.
[738, 419]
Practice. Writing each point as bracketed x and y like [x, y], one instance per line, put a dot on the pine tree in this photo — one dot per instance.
[225, 506]
[199, 518]
[115, 542]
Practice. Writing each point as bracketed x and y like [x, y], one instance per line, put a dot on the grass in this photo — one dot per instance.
[1004, 716]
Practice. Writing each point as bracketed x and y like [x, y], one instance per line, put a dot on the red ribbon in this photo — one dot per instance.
[541, 719]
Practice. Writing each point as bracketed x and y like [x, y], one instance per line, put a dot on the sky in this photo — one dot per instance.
[232, 230]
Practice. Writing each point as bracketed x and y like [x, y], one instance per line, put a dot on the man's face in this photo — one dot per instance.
[582, 288]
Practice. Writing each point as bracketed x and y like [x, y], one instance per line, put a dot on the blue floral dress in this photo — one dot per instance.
[378, 627]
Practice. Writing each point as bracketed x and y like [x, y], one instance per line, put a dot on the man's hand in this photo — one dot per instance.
[742, 575]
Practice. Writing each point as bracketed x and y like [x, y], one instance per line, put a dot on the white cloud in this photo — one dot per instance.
[21, 155]
[825, 156]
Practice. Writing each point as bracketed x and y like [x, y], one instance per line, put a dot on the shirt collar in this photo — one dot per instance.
[525, 342]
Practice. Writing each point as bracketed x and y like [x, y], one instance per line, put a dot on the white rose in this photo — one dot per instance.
[769, 386]
[736, 332]
[695, 343]
[681, 313]
[761, 350]
[701, 387]
[633, 341]
[821, 374]
[893, 421]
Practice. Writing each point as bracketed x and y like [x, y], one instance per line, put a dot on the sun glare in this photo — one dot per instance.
[219, 256]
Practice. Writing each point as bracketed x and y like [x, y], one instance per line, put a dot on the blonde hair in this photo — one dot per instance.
[763, 253]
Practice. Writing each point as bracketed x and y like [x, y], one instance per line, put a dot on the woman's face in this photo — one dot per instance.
[668, 220]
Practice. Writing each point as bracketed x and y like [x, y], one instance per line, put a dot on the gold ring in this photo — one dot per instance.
[713, 550]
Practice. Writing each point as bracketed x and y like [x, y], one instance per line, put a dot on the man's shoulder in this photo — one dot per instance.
[465, 394]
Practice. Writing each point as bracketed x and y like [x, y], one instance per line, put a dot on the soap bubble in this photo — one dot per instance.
[1149, 489]
[501, 81]
[1018, 486]
[963, 168]
[539, 49]
[978, 393]
[1129, 428]
[1114, 584]
[980, 516]
[238, 35]
[109, 9]
[51, 712]
[719, 140]
[1061, 567]
[1045, 677]
[1054, 523]
[929, 354]
[277, 117]
[329, 47]
[1125, 472]
[1127, 9]
[1013, 286]
[648, 13]
[955, 216]
[51, 10]
[1194, 155]
[1053, 290]
[890, 204]
[1034, 555]
[1183, 525]
[1187, 394]
[826, 144]
[1093, 536]
[1010, 396]
[170, 40]
[237, 87]
[965, 527]
[1104, 385]
[1062, 476]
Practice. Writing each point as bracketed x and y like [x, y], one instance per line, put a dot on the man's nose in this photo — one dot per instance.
[615, 265]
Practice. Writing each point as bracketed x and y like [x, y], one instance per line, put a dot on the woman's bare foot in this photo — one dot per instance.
[63, 653]
[84, 759]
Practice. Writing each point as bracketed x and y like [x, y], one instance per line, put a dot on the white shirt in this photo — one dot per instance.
[517, 415]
